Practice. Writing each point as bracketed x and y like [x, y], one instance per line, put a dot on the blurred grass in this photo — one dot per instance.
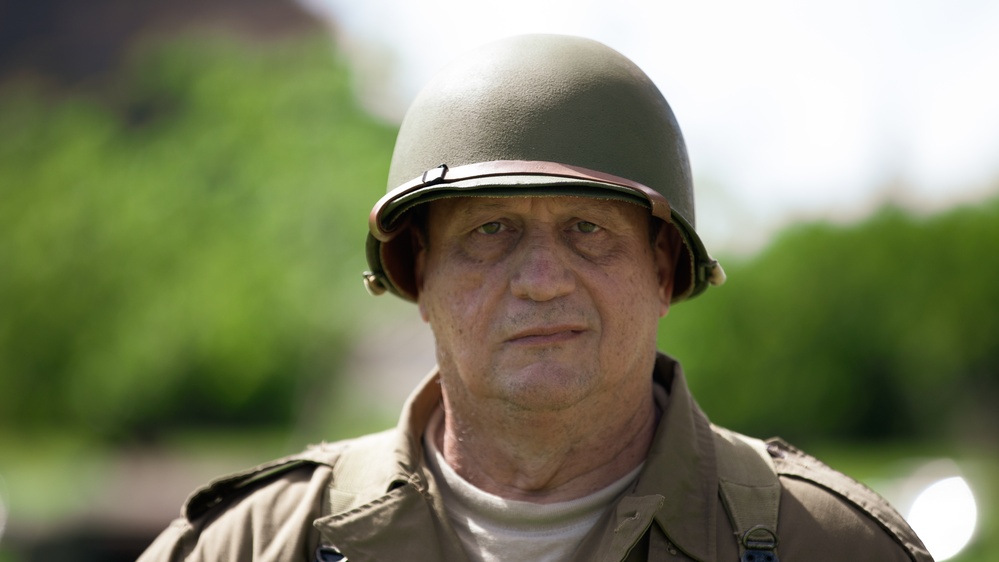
[48, 476]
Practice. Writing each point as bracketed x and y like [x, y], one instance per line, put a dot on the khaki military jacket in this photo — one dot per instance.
[373, 499]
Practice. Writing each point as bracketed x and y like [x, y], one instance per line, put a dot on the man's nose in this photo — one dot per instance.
[541, 271]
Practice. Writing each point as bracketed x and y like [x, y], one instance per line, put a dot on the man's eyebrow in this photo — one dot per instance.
[477, 206]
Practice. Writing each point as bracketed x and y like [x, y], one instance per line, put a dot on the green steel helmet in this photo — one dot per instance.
[537, 115]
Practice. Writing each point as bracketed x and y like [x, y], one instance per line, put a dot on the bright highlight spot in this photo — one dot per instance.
[944, 516]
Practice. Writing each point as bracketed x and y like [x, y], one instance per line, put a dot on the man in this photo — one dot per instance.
[540, 214]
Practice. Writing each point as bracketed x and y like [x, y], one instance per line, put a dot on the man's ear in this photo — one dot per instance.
[666, 250]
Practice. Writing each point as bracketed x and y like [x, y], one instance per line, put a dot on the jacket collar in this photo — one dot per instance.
[681, 467]
[382, 482]
[374, 465]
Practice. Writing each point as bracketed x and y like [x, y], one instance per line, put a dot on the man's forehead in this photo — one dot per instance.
[549, 203]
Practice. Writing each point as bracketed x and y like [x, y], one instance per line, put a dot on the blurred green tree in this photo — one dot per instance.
[186, 252]
[886, 328]
[179, 254]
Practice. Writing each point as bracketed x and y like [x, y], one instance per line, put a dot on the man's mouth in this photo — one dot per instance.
[546, 335]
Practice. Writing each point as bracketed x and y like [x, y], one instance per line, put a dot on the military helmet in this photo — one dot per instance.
[537, 115]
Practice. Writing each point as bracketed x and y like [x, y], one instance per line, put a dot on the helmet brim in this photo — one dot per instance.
[390, 248]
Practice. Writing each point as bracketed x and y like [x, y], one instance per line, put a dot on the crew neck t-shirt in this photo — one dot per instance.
[495, 529]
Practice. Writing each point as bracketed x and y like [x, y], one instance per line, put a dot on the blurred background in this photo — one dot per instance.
[184, 189]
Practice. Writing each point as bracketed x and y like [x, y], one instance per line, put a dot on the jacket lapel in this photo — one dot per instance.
[379, 506]
[676, 490]
[397, 526]
[681, 467]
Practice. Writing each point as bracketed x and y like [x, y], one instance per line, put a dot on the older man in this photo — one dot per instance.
[540, 214]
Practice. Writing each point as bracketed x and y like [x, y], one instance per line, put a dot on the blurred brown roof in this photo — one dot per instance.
[69, 42]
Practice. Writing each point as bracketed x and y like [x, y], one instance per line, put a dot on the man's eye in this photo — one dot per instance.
[490, 228]
[586, 227]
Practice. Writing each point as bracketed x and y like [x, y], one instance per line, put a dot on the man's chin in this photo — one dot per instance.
[547, 385]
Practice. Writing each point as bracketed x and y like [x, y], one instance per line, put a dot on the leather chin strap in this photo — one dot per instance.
[381, 227]
[507, 178]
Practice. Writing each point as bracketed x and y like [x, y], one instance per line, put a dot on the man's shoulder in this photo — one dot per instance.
[274, 474]
[272, 503]
[822, 505]
[324, 459]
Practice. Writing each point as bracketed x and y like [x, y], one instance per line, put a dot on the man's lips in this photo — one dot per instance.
[546, 334]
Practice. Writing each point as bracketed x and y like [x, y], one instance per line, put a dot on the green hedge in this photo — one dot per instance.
[186, 250]
[886, 328]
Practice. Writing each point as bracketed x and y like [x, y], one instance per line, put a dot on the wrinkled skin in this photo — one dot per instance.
[544, 311]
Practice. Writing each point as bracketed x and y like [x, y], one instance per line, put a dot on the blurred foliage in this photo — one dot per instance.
[883, 329]
[185, 251]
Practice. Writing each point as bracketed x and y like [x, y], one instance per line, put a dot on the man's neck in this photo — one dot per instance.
[547, 457]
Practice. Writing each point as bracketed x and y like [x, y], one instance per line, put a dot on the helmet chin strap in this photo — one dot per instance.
[383, 227]
[387, 218]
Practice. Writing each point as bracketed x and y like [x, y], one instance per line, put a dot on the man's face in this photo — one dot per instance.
[542, 302]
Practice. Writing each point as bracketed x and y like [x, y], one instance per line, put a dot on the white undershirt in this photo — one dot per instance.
[494, 529]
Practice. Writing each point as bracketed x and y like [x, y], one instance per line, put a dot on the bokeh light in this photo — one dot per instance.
[944, 515]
